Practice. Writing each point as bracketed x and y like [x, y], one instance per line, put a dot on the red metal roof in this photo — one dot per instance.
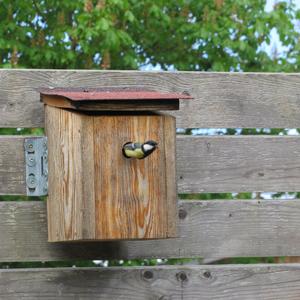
[112, 94]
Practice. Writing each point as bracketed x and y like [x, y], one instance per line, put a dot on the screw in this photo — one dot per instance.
[31, 161]
[29, 147]
[31, 181]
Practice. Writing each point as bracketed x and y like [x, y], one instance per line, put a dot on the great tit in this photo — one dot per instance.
[138, 150]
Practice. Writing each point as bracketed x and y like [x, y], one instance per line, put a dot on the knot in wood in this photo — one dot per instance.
[207, 274]
[182, 213]
[148, 275]
[182, 276]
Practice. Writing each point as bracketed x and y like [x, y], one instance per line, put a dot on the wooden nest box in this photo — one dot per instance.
[96, 191]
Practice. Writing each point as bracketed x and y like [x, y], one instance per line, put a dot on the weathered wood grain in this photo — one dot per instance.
[71, 199]
[226, 282]
[133, 200]
[204, 164]
[208, 229]
[90, 179]
[171, 180]
[238, 164]
[12, 165]
[220, 99]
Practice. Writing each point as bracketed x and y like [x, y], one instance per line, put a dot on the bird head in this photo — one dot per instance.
[149, 146]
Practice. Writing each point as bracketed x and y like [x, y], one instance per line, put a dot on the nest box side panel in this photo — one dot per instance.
[171, 178]
[135, 199]
[70, 203]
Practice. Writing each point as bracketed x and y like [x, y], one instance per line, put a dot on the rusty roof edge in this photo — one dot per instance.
[126, 93]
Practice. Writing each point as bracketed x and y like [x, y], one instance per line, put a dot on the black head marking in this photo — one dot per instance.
[149, 151]
[152, 143]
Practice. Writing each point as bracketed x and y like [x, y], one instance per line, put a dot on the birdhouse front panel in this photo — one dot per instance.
[135, 197]
[98, 190]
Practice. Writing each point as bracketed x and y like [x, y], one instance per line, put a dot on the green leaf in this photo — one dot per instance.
[103, 24]
[129, 16]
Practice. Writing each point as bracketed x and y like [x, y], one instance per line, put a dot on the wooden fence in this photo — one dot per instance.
[209, 229]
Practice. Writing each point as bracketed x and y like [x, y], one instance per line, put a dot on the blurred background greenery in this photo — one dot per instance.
[189, 35]
[204, 35]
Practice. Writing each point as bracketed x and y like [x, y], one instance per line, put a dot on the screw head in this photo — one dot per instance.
[31, 161]
[29, 146]
[31, 181]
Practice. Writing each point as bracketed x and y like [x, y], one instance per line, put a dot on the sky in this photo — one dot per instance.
[275, 43]
[270, 4]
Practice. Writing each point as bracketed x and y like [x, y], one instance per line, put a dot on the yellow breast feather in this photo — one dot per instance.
[137, 153]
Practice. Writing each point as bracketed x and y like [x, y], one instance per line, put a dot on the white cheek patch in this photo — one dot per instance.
[147, 147]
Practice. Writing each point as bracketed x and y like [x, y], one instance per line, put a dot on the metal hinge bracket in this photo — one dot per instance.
[36, 159]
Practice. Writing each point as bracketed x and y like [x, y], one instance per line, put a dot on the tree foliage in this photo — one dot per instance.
[218, 35]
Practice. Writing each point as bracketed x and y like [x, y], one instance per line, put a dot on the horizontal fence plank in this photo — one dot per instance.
[220, 99]
[209, 229]
[231, 282]
[12, 165]
[238, 164]
[204, 164]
